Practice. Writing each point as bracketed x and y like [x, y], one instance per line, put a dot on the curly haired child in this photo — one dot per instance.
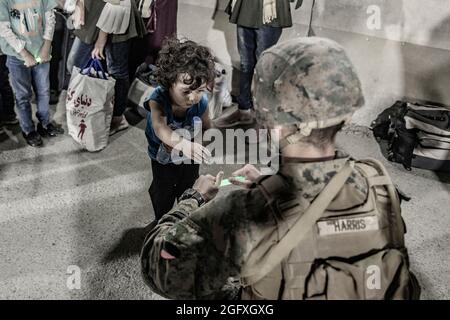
[185, 71]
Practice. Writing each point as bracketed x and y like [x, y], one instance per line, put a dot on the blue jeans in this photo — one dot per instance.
[24, 80]
[117, 64]
[251, 43]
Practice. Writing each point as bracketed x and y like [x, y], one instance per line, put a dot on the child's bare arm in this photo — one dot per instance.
[162, 130]
[17, 44]
[190, 149]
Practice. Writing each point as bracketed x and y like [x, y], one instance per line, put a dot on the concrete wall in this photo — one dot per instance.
[399, 47]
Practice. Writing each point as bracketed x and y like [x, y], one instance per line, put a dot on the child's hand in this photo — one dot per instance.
[44, 54]
[28, 59]
[195, 151]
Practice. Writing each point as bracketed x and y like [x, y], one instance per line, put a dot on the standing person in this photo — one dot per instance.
[109, 26]
[26, 33]
[7, 113]
[57, 53]
[312, 230]
[160, 18]
[185, 70]
[259, 26]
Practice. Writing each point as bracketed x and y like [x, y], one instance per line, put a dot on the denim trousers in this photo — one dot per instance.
[24, 80]
[251, 43]
[117, 65]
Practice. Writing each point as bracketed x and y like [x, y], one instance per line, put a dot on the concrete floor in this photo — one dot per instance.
[60, 207]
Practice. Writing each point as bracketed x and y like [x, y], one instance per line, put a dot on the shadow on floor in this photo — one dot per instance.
[130, 244]
[11, 138]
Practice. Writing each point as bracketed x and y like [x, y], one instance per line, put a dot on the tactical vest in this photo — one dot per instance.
[329, 253]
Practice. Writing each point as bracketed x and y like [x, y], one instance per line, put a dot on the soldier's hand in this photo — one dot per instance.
[206, 186]
[249, 172]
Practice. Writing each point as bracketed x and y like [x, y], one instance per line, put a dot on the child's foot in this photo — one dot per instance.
[33, 139]
[118, 124]
[50, 131]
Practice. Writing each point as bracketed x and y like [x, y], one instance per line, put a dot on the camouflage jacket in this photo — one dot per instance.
[211, 243]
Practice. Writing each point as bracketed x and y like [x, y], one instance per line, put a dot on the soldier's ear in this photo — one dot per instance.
[167, 256]
[169, 251]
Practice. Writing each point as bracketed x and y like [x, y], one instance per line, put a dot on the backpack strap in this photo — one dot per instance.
[271, 187]
[257, 267]
[383, 179]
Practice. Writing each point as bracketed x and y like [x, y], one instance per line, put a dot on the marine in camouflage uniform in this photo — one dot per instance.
[302, 84]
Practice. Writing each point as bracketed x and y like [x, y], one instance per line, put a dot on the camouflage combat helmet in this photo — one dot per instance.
[306, 82]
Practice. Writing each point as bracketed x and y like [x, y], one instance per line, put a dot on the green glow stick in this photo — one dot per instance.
[226, 182]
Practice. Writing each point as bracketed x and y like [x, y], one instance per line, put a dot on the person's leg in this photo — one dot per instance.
[162, 189]
[246, 40]
[266, 37]
[57, 42]
[79, 54]
[7, 112]
[21, 82]
[189, 173]
[165, 25]
[73, 54]
[41, 86]
[136, 56]
[117, 61]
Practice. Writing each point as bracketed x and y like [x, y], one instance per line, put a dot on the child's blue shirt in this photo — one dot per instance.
[161, 96]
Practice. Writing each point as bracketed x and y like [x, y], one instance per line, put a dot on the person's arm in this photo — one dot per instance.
[17, 44]
[169, 137]
[99, 47]
[50, 22]
[49, 30]
[170, 253]
[10, 37]
[110, 13]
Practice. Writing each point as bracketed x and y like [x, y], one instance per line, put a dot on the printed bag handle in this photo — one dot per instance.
[95, 65]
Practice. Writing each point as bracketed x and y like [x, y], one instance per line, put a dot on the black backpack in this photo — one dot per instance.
[418, 135]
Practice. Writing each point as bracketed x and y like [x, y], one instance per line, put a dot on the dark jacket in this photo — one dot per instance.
[249, 14]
